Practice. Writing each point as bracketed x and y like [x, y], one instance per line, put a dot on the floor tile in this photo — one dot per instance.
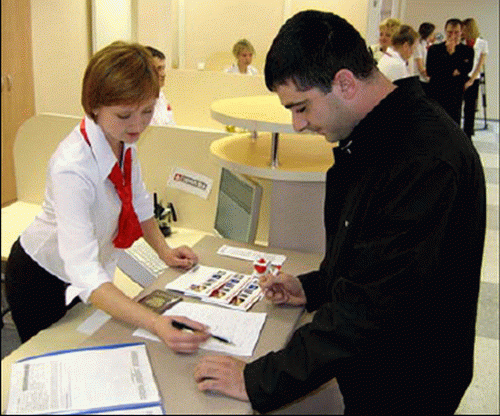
[482, 395]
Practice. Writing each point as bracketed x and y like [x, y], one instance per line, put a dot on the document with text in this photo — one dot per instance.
[112, 379]
[242, 329]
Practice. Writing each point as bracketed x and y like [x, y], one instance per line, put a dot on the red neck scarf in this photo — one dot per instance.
[129, 227]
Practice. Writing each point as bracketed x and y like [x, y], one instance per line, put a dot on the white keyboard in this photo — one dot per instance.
[141, 263]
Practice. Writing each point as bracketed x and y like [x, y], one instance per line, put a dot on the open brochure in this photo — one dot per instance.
[222, 287]
[97, 380]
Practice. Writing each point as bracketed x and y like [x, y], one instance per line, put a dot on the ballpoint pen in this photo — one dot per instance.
[180, 325]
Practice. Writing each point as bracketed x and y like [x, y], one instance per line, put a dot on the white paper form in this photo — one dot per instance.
[241, 328]
[250, 255]
[89, 380]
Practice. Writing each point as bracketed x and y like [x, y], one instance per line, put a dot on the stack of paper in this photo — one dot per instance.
[109, 379]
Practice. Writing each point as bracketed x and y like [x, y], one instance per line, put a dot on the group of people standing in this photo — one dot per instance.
[449, 71]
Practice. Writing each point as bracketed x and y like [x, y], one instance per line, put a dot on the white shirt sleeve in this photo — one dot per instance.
[75, 203]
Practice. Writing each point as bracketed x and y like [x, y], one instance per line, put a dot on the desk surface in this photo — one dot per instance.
[174, 372]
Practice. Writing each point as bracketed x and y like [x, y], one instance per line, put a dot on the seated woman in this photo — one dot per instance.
[387, 28]
[394, 63]
[96, 204]
[243, 51]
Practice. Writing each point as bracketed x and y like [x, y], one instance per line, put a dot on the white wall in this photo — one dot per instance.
[61, 50]
[62, 35]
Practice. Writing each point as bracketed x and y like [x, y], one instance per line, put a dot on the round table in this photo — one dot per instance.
[259, 113]
[297, 178]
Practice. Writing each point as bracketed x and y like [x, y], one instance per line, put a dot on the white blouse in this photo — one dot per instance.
[233, 69]
[420, 52]
[163, 114]
[72, 237]
[480, 47]
[393, 66]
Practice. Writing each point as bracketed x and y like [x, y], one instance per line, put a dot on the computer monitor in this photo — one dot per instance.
[238, 206]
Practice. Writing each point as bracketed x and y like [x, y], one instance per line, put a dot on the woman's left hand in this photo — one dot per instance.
[183, 257]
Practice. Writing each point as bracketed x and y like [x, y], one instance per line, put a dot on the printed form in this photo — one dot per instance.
[109, 379]
[241, 328]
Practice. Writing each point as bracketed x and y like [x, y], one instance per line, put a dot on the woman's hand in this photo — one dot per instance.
[283, 289]
[179, 340]
[183, 257]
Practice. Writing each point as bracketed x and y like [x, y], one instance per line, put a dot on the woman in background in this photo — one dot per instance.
[470, 33]
[96, 204]
[427, 37]
[387, 29]
[394, 63]
[243, 51]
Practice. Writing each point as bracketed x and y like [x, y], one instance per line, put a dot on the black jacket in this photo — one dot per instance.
[396, 294]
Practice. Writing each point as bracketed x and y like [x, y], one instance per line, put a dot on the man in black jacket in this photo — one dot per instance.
[396, 294]
[448, 65]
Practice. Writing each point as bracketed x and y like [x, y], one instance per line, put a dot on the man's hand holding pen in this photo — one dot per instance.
[282, 289]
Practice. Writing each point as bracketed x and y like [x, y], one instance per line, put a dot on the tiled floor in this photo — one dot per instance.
[482, 397]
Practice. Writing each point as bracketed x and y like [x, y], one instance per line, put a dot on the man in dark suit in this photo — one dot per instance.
[448, 65]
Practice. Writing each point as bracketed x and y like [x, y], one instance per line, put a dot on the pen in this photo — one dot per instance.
[180, 325]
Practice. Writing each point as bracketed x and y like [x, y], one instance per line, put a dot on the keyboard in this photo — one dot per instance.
[141, 263]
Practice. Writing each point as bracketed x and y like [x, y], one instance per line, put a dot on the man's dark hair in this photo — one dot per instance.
[311, 47]
[453, 22]
[425, 29]
[155, 52]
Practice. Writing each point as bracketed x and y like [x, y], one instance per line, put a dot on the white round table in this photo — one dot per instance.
[298, 177]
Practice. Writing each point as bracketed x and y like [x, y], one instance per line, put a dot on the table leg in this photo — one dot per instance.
[274, 150]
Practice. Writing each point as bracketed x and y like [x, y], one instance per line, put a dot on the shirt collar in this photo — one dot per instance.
[100, 148]
[369, 130]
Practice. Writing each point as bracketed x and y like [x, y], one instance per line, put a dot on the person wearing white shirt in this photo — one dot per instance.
[394, 63]
[387, 28]
[163, 114]
[480, 46]
[427, 38]
[243, 51]
[96, 204]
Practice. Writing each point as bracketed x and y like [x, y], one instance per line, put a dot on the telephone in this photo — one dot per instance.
[164, 216]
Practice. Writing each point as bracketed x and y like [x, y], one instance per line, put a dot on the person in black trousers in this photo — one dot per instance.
[448, 66]
[480, 46]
